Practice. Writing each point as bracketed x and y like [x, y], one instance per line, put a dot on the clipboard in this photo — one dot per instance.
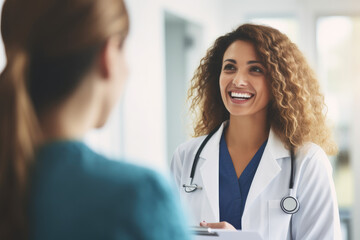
[204, 233]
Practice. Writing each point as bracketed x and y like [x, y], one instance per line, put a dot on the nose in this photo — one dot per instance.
[240, 80]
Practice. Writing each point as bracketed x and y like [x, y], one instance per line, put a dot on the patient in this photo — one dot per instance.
[65, 71]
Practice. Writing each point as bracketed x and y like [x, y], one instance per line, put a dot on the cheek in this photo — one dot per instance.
[266, 92]
[269, 90]
[222, 86]
[223, 83]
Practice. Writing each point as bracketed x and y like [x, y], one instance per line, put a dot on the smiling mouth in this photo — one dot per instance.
[240, 96]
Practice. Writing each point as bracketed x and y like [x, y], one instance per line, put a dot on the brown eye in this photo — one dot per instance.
[229, 67]
[256, 69]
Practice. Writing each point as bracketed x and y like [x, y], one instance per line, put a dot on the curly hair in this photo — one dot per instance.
[296, 112]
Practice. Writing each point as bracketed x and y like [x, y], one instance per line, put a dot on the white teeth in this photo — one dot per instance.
[241, 95]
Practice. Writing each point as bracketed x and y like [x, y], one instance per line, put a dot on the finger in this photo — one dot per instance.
[203, 224]
[221, 225]
[216, 225]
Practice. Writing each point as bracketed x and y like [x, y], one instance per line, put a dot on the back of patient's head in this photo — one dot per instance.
[57, 41]
[50, 45]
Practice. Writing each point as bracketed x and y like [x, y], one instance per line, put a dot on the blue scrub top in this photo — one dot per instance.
[76, 193]
[233, 191]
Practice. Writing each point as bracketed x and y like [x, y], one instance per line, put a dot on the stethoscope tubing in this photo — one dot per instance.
[193, 187]
[197, 155]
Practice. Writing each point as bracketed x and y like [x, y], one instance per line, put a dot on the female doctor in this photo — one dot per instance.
[258, 162]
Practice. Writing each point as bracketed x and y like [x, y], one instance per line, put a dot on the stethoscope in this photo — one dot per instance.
[289, 204]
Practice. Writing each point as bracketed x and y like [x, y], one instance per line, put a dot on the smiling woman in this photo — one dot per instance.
[292, 85]
[243, 83]
[260, 123]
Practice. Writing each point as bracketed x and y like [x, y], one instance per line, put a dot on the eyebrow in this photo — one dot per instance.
[249, 62]
[230, 60]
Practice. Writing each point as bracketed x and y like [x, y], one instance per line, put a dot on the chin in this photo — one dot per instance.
[239, 112]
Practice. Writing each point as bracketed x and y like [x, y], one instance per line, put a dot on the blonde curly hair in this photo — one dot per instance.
[296, 111]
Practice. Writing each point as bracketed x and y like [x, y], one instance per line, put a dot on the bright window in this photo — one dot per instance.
[286, 25]
[337, 43]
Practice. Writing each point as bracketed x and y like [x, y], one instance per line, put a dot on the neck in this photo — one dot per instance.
[60, 124]
[247, 132]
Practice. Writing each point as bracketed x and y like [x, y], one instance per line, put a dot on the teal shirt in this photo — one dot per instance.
[76, 193]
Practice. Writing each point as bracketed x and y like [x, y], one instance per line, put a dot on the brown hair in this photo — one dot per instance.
[296, 112]
[49, 45]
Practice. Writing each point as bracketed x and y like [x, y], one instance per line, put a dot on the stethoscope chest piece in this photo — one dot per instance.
[191, 187]
[289, 205]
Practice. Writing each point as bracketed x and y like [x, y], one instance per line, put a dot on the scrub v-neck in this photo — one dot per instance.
[233, 191]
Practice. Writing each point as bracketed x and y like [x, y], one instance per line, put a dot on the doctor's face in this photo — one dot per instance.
[243, 83]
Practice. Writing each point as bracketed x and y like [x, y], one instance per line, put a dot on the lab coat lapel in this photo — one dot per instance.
[209, 172]
[268, 167]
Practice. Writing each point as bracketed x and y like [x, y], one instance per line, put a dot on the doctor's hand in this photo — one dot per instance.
[218, 225]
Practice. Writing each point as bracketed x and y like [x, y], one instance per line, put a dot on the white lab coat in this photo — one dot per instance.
[318, 216]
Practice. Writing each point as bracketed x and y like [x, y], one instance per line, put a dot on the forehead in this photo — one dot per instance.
[241, 50]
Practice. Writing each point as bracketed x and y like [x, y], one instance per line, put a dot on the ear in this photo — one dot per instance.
[107, 57]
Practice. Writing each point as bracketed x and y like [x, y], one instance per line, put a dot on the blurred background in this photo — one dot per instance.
[166, 42]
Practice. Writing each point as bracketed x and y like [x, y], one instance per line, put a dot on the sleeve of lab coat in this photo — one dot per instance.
[318, 216]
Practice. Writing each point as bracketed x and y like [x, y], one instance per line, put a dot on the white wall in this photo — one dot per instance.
[144, 124]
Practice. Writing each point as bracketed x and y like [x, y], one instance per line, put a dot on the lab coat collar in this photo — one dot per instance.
[209, 149]
[267, 170]
[276, 146]
[268, 167]
[209, 171]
